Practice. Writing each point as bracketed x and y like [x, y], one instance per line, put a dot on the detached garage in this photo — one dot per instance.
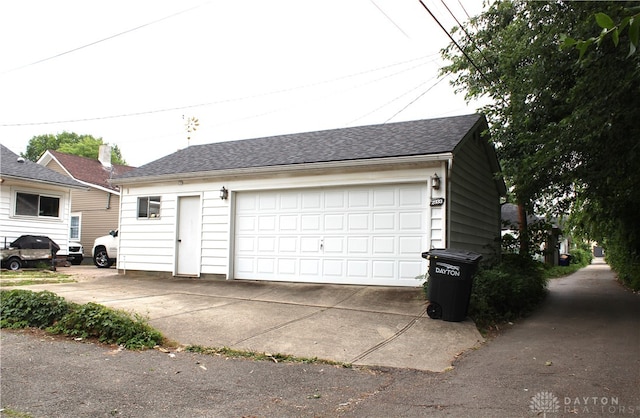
[354, 206]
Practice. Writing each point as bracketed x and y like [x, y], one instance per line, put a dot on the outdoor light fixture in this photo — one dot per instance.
[435, 182]
[224, 193]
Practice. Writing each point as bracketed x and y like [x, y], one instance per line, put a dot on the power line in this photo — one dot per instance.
[465, 30]
[414, 100]
[456, 43]
[389, 19]
[103, 39]
[170, 109]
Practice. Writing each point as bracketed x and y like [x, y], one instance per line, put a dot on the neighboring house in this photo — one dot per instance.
[94, 212]
[555, 244]
[34, 200]
[356, 205]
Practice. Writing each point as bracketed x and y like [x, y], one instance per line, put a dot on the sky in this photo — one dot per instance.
[135, 72]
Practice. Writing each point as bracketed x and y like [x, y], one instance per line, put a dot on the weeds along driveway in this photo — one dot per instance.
[362, 325]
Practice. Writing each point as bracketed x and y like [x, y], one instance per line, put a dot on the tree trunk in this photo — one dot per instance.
[523, 230]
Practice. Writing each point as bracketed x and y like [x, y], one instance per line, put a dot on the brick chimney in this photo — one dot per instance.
[104, 155]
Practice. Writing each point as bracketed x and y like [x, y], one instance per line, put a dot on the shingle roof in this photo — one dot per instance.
[90, 170]
[422, 137]
[11, 167]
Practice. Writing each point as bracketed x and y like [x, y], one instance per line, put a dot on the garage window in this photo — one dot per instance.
[149, 207]
[29, 204]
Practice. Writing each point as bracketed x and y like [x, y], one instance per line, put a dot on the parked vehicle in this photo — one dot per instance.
[27, 251]
[105, 250]
[75, 255]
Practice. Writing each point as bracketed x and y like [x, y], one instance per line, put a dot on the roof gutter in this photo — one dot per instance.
[289, 168]
[47, 182]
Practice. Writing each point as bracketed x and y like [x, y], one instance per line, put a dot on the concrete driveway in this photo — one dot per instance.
[362, 325]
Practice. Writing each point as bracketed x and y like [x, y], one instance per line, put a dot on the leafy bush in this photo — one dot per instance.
[506, 291]
[110, 326]
[24, 308]
[581, 257]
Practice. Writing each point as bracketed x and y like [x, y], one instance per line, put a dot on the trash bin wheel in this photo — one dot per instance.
[434, 310]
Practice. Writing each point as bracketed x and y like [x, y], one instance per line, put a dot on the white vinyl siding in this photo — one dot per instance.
[12, 226]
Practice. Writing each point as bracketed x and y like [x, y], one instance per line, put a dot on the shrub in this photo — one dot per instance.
[110, 326]
[24, 308]
[581, 257]
[506, 291]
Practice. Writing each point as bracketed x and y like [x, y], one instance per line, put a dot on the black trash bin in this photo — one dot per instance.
[450, 279]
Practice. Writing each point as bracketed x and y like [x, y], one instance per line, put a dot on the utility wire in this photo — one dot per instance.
[103, 39]
[389, 19]
[414, 100]
[465, 31]
[456, 44]
[148, 112]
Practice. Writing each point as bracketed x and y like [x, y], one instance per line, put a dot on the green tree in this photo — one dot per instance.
[69, 143]
[565, 130]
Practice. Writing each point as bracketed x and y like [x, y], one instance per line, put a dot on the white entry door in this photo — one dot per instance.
[371, 235]
[188, 236]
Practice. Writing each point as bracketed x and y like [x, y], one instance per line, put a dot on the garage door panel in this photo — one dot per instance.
[310, 245]
[244, 265]
[411, 221]
[310, 222]
[266, 244]
[358, 245]
[384, 269]
[359, 199]
[384, 221]
[358, 221]
[410, 245]
[333, 267]
[358, 269]
[384, 198]
[288, 223]
[288, 244]
[287, 266]
[333, 245]
[411, 197]
[246, 223]
[410, 270]
[384, 246]
[267, 201]
[245, 245]
[265, 266]
[310, 268]
[358, 235]
[334, 222]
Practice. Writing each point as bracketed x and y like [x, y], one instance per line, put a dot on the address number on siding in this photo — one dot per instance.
[437, 202]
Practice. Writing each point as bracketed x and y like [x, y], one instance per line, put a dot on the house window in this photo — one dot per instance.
[74, 227]
[29, 204]
[149, 207]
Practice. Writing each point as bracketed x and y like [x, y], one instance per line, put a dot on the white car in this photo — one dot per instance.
[75, 255]
[105, 250]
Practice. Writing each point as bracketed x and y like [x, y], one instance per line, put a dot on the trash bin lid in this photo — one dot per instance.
[461, 256]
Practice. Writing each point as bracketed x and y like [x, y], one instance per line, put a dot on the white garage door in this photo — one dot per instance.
[370, 235]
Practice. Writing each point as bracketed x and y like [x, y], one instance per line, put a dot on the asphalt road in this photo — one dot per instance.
[578, 355]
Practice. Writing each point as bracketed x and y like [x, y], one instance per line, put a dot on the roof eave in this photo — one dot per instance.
[280, 169]
[49, 183]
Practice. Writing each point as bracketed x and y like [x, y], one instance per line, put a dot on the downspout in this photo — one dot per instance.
[448, 169]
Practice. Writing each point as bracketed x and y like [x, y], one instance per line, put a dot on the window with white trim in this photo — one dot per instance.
[149, 207]
[31, 204]
[74, 226]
